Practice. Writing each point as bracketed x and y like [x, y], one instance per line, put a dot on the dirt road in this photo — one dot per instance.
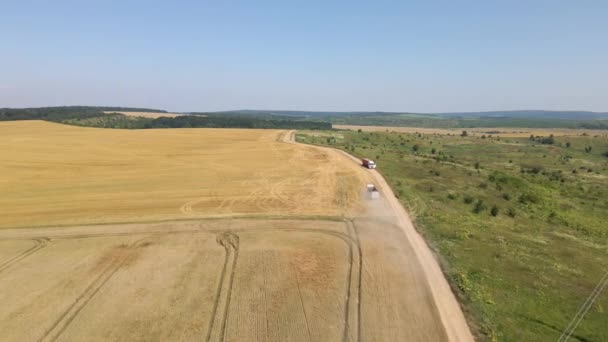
[449, 311]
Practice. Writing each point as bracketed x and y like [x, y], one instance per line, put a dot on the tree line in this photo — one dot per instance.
[95, 117]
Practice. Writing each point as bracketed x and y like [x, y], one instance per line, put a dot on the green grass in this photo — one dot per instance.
[434, 121]
[520, 278]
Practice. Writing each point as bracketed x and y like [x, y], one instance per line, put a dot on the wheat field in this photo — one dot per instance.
[198, 234]
[60, 175]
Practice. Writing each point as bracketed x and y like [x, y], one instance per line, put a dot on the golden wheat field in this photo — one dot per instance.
[274, 241]
[56, 175]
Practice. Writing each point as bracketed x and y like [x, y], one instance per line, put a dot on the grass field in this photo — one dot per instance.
[521, 225]
[510, 132]
[241, 237]
[54, 174]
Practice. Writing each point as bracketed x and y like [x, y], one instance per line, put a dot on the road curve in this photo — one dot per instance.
[451, 315]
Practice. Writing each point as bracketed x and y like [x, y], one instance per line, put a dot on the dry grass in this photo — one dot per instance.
[507, 132]
[54, 174]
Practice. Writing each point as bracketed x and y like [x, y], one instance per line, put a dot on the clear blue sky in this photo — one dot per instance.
[423, 56]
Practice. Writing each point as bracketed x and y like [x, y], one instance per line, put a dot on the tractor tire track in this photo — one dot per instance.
[230, 241]
[64, 320]
[353, 227]
[302, 306]
[234, 243]
[350, 278]
[218, 292]
[348, 295]
[39, 243]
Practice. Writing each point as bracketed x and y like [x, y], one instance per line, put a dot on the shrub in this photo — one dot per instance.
[415, 148]
[479, 206]
[528, 198]
[359, 130]
[433, 150]
[511, 212]
[506, 196]
[567, 144]
[477, 165]
[464, 134]
[468, 199]
[452, 196]
[494, 210]
[547, 140]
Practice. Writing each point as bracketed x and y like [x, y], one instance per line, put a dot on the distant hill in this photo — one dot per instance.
[62, 113]
[316, 119]
[530, 114]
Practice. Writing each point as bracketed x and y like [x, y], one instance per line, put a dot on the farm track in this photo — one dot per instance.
[66, 318]
[230, 241]
[353, 232]
[452, 318]
[39, 244]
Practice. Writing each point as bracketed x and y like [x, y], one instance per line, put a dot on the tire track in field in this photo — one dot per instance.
[230, 241]
[351, 278]
[64, 320]
[352, 226]
[39, 243]
[233, 240]
[302, 306]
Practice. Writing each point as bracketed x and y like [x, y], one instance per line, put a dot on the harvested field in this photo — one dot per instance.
[53, 174]
[507, 132]
[151, 115]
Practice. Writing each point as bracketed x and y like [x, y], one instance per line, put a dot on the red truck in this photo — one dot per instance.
[368, 163]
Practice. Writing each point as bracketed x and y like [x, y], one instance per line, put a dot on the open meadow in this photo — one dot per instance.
[202, 234]
[520, 223]
[505, 132]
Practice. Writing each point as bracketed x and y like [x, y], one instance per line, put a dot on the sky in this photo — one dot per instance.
[410, 56]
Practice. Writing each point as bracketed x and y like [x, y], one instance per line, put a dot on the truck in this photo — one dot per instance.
[368, 163]
[372, 191]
